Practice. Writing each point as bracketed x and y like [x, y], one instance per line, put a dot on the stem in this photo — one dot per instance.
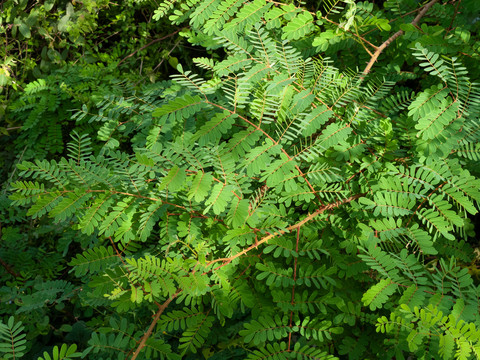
[149, 332]
[118, 253]
[392, 38]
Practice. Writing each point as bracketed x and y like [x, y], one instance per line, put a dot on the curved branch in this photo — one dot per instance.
[392, 38]
[319, 211]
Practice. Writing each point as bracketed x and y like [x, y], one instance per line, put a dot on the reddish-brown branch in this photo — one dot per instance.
[453, 19]
[118, 253]
[399, 17]
[149, 332]
[392, 38]
[8, 268]
[319, 211]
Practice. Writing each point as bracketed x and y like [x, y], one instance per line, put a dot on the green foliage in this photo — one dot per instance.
[64, 353]
[12, 338]
[451, 335]
[276, 204]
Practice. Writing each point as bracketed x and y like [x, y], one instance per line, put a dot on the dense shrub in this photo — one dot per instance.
[306, 192]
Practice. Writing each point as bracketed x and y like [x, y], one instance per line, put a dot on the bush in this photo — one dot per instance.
[276, 204]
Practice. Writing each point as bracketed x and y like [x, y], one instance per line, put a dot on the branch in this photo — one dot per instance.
[453, 19]
[393, 20]
[8, 268]
[149, 44]
[392, 38]
[319, 211]
[149, 332]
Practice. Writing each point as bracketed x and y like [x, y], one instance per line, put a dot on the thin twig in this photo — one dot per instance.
[118, 253]
[392, 38]
[149, 44]
[171, 50]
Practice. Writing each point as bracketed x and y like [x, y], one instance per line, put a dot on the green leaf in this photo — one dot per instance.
[24, 29]
[94, 260]
[219, 198]
[12, 339]
[213, 129]
[201, 186]
[174, 180]
[64, 353]
[180, 108]
[238, 212]
[249, 14]
[299, 26]
[49, 4]
[379, 293]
